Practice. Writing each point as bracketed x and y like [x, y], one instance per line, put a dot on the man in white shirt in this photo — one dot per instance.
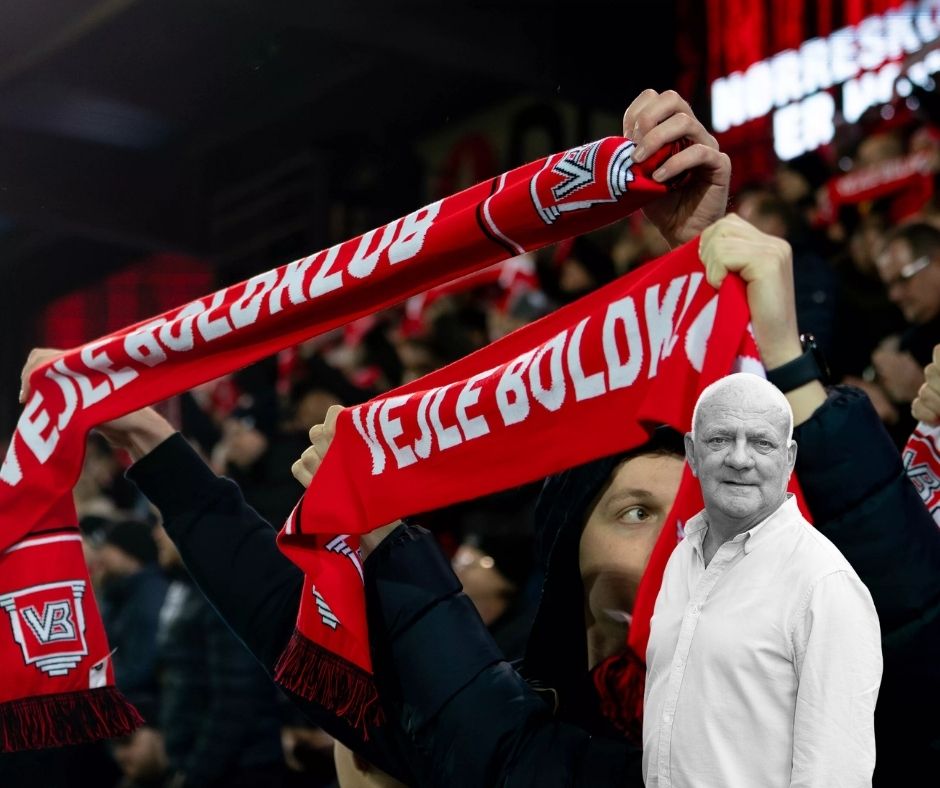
[764, 656]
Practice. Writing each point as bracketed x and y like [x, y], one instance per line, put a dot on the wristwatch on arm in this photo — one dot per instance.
[803, 369]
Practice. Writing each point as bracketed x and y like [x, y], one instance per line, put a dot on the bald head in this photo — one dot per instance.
[741, 388]
[741, 448]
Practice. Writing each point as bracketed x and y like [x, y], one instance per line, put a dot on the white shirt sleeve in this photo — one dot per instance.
[837, 648]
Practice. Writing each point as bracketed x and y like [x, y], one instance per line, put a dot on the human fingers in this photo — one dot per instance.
[657, 110]
[673, 128]
[932, 375]
[714, 165]
[630, 124]
[320, 438]
[923, 413]
[301, 474]
[329, 424]
[373, 539]
[37, 356]
[754, 259]
[732, 234]
[927, 400]
[729, 225]
[305, 468]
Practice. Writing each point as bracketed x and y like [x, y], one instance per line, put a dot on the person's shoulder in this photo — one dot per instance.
[815, 555]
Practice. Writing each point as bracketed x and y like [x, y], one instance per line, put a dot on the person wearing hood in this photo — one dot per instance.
[596, 525]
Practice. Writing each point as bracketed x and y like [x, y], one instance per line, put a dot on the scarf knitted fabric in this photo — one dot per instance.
[921, 457]
[56, 677]
[584, 382]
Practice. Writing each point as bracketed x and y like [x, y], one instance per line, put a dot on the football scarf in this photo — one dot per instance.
[909, 178]
[584, 382]
[56, 677]
[921, 457]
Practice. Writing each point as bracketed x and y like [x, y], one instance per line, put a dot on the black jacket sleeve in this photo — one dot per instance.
[860, 497]
[229, 550]
[472, 715]
[232, 555]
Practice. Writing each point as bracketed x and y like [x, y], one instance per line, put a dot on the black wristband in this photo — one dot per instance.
[802, 370]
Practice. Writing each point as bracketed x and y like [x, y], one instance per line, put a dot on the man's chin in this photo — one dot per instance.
[738, 506]
[739, 491]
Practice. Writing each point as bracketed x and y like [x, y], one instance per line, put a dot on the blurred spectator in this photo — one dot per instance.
[909, 267]
[142, 758]
[92, 528]
[105, 471]
[815, 283]
[308, 752]
[797, 180]
[525, 307]
[494, 558]
[879, 147]
[132, 592]
[418, 359]
[865, 315]
[458, 329]
[257, 453]
[638, 242]
[494, 570]
[218, 710]
[574, 269]
[353, 771]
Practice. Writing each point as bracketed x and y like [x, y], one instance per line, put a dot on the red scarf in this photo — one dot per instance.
[909, 177]
[577, 385]
[922, 462]
[56, 679]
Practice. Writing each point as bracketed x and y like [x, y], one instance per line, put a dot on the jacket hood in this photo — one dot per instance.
[556, 653]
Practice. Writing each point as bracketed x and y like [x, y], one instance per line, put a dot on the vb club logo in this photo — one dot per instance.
[582, 177]
[49, 625]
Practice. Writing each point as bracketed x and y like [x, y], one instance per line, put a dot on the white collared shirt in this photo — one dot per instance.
[764, 667]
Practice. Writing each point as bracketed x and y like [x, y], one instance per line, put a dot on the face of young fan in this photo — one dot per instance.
[488, 588]
[616, 543]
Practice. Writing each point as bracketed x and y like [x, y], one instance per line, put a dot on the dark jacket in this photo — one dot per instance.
[218, 710]
[861, 499]
[130, 610]
[473, 719]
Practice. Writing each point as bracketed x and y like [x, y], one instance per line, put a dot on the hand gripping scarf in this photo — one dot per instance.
[587, 381]
[56, 677]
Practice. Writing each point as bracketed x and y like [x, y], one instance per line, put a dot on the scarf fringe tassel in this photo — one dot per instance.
[66, 718]
[309, 670]
[620, 682]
